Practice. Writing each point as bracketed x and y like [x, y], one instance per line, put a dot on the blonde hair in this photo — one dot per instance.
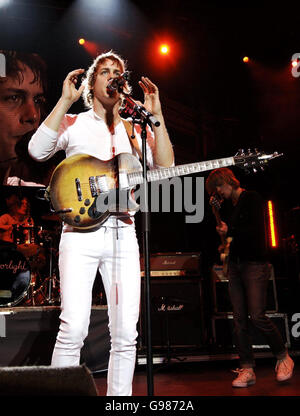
[218, 177]
[90, 79]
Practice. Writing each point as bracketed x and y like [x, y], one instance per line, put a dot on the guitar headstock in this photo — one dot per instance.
[254, 160]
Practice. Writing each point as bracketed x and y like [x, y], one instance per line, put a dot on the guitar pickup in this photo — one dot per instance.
[93, 186]
[78, 189]
[102, 185]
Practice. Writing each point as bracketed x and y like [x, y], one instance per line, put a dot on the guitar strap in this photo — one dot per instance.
[132, 138]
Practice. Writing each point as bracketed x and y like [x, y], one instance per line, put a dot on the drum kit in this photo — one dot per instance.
[29, 267]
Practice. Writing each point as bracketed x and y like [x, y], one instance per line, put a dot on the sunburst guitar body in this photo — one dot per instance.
[80, 180]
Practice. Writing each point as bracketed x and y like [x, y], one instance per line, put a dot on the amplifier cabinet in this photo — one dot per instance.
[176, 312]
[179, 263]
[220, 292]
[222, 331]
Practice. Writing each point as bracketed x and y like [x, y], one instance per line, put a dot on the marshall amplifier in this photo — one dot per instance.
[174, 264]
[176, 313]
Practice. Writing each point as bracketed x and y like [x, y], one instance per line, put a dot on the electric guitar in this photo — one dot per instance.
[84, 191]
[215, 204]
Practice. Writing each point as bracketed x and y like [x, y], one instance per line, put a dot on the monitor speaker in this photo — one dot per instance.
[47, 381]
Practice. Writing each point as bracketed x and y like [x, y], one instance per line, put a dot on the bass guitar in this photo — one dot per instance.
[215, 204]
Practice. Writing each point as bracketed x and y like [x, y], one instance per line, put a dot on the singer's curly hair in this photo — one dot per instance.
[218, 177]
[90, 78]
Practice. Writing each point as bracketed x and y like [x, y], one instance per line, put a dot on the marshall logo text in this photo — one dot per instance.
[170, 308]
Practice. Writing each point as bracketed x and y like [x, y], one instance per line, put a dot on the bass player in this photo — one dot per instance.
[248, 274]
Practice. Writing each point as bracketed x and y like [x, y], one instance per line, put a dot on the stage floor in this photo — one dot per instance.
[209, 378]
[27, 337]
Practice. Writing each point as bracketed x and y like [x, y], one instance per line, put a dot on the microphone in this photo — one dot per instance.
[131, 107]
[116, 84]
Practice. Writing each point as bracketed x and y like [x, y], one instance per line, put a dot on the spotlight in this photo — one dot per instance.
[164, 49]
[295, 65]
[246, 59]
[81, 41]
[4, 3]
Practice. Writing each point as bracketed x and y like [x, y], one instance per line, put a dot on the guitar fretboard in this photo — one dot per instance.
[136, 178]
[218, 221]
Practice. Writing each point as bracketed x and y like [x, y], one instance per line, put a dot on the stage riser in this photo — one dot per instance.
[27, 337]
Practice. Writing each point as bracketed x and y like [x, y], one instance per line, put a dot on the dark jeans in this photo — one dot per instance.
[248, 283]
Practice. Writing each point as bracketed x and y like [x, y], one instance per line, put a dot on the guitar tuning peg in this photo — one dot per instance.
[249, 151]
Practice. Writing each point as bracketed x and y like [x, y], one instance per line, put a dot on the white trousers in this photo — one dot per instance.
[116, 253]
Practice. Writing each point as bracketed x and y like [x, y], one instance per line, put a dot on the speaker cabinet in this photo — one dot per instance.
[222, 330]
[176, 312]
[220, 292]
[47, 381]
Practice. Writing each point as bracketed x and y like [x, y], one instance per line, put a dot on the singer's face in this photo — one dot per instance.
[224, 190]
[106, 71]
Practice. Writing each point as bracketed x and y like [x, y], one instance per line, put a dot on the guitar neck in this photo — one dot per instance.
[217, 216]
[218, 221]
[136, 178]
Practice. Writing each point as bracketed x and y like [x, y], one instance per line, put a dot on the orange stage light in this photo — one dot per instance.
[246, 59]
[272, 226]
[92, 48]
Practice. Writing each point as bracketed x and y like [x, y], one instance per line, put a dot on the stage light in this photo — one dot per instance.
[246, 59]
[81, 41]
[4, 3]
[164, 49]
[272, 226]
[294, 63]
[167, 49]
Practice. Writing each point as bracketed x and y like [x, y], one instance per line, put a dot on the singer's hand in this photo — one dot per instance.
[15, 181]
[69, 95]
[69, 92]
[151, 96]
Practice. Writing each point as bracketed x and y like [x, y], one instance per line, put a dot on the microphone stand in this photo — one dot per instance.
[138, 112]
